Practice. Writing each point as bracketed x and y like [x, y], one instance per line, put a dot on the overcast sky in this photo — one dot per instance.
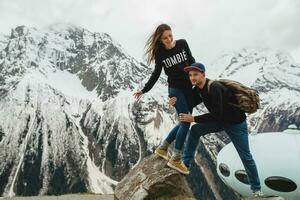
[210, 26]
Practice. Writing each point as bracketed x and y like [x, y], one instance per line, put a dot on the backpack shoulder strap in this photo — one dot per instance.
[209, 84]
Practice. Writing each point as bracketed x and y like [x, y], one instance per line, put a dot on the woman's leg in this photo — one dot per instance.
[172, 135]
[170, 138]
[180, 130]
[181, 106]
[185, 107]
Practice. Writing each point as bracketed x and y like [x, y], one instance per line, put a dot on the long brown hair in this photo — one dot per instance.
[154, 42]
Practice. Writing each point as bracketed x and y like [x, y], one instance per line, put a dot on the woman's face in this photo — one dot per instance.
[167, 38]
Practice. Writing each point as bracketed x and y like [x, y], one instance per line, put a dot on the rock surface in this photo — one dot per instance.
[65, 197]
[152, 179]
[268, 198]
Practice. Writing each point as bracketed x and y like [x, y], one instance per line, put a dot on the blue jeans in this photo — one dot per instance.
[238, 133]
[183, 105]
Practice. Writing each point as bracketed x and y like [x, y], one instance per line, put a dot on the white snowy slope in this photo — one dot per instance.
[49, 79]
[3, 41]
[50, 135]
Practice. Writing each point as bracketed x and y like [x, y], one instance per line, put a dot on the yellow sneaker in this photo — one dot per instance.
[179, 166]
[169, 156]
[162, 153]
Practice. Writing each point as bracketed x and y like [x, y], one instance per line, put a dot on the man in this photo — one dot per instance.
[221, 117]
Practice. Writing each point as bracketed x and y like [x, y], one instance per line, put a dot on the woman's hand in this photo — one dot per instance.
[138, 94]
[172, 101]
[186, 117]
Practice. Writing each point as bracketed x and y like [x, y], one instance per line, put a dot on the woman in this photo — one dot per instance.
[173, 56]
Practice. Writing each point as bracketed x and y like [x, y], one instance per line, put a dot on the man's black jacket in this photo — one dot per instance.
[216, 99]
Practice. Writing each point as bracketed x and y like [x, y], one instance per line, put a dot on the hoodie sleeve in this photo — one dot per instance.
[197, 99]
[191, 59]
[217, 92]
[204, 118]
[154, 76]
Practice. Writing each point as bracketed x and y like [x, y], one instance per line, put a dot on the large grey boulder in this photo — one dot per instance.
[153, 179]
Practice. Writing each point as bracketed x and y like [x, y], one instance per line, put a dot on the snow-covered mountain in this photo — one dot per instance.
[69, 122]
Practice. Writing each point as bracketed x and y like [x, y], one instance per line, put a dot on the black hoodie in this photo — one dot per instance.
[217, 100]
[173, 61]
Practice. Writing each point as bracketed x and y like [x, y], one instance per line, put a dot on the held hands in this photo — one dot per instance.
[138, 95]
[186, 117]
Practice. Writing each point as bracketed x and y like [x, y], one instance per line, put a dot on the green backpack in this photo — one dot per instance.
[247, 98]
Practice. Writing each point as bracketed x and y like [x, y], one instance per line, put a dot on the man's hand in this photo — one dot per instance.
[172, 101]
[186, 117]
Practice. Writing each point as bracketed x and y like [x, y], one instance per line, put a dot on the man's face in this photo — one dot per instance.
[196, 77]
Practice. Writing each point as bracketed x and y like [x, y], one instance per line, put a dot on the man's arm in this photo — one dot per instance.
[216, 92]
[217, 97]
[204, 118]
[186, 117]
[196, 98]
[198, 119]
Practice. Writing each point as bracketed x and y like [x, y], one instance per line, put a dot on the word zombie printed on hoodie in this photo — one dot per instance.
[175, 59]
